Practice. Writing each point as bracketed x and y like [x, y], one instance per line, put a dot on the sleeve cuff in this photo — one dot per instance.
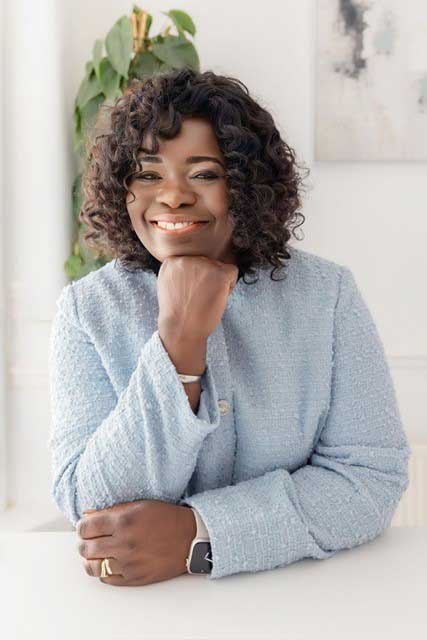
[254, 525]
[166, 380]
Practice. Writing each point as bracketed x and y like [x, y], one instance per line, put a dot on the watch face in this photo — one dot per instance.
[201, 559]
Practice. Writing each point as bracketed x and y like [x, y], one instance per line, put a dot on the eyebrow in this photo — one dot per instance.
[189, 160]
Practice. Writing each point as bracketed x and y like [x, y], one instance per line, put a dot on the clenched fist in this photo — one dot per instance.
[192, 292]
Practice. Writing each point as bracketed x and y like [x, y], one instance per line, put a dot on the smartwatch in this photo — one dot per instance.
[200, 556]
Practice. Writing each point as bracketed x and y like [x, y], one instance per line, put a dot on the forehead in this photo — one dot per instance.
[197, 137]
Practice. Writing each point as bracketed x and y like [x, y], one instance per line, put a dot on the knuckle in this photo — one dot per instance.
[126, 570]
[81, 548]
[88, 568]
[80, 529]
[221, 275]
[129, 571]
[130, 545]
[124, 520]
[96, 549]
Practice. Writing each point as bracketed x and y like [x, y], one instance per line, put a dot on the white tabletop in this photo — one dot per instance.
[377, 590]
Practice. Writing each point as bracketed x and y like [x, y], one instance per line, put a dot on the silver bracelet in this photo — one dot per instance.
[187, 378]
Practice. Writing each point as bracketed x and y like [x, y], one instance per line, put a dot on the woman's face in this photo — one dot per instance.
[178, 184]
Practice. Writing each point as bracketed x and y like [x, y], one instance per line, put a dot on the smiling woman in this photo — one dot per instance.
[269, 409]
[191, 147]
[180, 197]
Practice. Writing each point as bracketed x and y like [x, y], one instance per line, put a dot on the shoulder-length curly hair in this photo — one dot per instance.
[261, 169]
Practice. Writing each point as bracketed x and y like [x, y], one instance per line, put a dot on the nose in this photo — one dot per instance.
[174, 194]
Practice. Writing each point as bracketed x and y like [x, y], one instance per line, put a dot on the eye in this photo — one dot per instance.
[206, 176]
[143, 176]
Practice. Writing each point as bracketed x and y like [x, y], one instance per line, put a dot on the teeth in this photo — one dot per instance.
[171, 225]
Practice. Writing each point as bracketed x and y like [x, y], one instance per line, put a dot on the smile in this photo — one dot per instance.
[191, 228]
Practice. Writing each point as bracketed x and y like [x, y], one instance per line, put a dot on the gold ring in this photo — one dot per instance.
[105, 568]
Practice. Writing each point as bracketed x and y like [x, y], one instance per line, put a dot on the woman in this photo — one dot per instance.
[288, 442]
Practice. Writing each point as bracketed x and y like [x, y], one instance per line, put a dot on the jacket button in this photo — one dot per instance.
[224, 407]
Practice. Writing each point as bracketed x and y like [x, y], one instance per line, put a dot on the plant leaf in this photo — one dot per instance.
[96, 56]
[148, 25]
[73, 266]
[144, 64]
[182, 21]
[89, 68]
[89, 88]
[77, 196]
[123, 84]
[77, 120]
[119, 45]
[78, 143]
[177, 53]
[86, 253]
[109, 79]
[90, 111]
[157, 39]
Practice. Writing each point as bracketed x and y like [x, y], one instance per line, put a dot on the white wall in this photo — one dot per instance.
[368, 216]
[37, 181]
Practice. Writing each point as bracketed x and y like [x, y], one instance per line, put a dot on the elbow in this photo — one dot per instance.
[63, 498]
[383, 488]
[393, 491]
[402, 474]
[388, 513]
[68, 488]
[65, 494]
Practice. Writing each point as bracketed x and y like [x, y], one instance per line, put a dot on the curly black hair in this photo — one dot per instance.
[261, 169]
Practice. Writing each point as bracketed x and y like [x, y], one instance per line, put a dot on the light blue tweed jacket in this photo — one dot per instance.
[310, 459]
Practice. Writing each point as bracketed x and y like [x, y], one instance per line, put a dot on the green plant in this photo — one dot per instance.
[130, 53]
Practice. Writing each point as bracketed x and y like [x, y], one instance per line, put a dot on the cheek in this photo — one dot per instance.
[138, 196]
[217, 201]
[136, 207]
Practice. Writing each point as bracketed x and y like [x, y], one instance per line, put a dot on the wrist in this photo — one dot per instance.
[187, 354]
[173, 330]
[188, 524]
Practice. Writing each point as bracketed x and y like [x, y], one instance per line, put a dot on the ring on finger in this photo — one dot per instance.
[105, 568]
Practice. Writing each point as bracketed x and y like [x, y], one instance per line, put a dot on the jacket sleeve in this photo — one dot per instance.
[107, 449]
[349, 490]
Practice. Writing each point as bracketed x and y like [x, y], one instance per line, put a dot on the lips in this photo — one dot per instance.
[193, 228]
[175, 219]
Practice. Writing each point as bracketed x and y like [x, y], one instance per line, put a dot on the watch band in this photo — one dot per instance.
[201, 531]
[200, 556]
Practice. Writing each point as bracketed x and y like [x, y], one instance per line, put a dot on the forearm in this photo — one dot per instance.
[114, 449]
[188, 356]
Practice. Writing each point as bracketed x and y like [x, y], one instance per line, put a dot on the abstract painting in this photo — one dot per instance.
[371, 80]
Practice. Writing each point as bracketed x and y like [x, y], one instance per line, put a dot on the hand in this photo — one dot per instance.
[145, 541]
[193, 293]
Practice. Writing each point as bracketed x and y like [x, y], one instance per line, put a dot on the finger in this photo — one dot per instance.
[120, 581]
[94, 569]
[95, 526]
[233, 282]
[232, 272]
[104, 547]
